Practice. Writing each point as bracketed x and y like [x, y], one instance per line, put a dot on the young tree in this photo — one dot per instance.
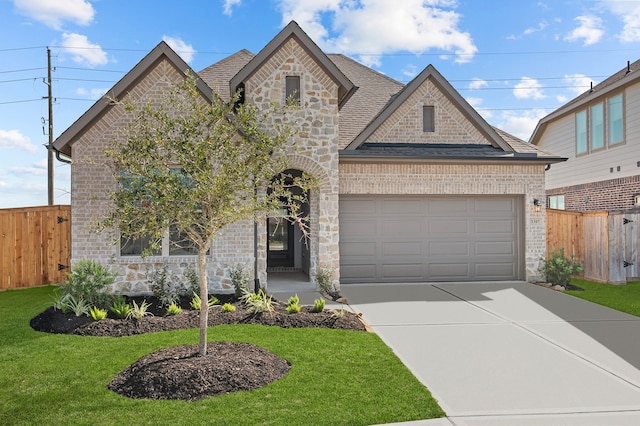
[194, 166]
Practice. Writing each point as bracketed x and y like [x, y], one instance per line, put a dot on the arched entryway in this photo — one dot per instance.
[288, 252]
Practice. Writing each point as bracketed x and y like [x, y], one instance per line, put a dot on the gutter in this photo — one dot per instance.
[58, 154]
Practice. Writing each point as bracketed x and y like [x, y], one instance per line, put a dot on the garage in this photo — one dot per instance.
[431, 238]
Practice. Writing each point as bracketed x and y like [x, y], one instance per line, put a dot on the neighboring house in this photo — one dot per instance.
[413, 184]
[599, 132]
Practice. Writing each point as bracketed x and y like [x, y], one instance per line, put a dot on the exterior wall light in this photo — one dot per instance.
[536, 205]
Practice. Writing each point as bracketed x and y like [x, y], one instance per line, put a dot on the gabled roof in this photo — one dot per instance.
[218, 75]
[345, 86]
[454, 97]
[161, 51]
[627, 75]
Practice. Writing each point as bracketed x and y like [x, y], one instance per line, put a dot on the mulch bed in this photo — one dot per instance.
[180, 372]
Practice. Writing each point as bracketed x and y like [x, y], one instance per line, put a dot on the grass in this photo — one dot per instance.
[624, 298]
[337, 377]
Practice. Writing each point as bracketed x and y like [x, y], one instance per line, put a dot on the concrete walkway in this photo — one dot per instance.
[509, 353]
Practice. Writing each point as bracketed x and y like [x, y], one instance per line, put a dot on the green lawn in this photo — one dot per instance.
[625, 298]
[337, 377]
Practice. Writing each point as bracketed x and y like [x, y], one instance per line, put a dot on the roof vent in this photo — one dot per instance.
[628, 68]
[591, 89]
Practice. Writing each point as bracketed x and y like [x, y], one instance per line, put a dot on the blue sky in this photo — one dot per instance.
[515, 61]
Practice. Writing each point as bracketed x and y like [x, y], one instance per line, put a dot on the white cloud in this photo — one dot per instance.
[410, 71]
[541, 26]
[375, 27]
[521, 123]
[13, 139]
[186, 51]
[629, 13]
[54, 12]
[578, 83]
[228, 5]
[528, 88]
[93, 94]
[83, 51]
[478, 83]
[589, 30]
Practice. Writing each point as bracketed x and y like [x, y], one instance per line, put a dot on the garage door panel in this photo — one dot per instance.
[358, 249]
[493, 248]
[401, 248]
[448, 226]
[397, 227]
[494, 226]
[405, 271]
[430, 238]
[453, 248]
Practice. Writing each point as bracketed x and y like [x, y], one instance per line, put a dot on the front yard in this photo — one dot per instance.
[624, 298]
[336, 377]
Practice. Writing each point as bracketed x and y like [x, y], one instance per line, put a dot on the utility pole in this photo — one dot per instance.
[50, 145]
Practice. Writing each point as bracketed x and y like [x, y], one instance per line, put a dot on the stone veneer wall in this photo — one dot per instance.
[314, 147]
[456, 179]
[607, 195]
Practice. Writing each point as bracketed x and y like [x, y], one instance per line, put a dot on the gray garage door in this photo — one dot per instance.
[430, 238]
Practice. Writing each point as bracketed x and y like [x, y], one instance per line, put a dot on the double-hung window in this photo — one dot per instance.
[600, 125]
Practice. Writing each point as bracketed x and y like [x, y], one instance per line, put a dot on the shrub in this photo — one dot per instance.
[558, 268]
[239, 279]
[196, 302]
[228, 307]
[323, 278]
[293, 305]
[88, 280]
[169, 290]
[98, 314]
[193, 282]
[173, 309]
[318, 305]
[257, 302]
[339, 313]
[120, 307]
[138, 312]
[69, 304]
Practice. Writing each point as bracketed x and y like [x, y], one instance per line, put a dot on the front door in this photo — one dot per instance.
[280, 242]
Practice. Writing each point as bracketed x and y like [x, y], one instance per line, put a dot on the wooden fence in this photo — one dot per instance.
[35, 246]
[606, 243]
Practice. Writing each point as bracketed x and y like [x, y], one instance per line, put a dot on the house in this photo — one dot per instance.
[599, 134]
[413, 185]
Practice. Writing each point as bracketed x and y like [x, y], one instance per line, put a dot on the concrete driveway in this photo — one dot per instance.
[510, 353]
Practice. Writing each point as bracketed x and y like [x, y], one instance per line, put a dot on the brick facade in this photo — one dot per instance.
[608, 195]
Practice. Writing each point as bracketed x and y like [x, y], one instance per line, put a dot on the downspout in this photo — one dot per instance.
[256, 280]
[58, 154]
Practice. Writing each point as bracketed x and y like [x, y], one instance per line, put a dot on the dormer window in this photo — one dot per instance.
[428, 119]
[292, 90]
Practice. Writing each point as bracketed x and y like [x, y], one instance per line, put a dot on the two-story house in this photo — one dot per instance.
[599, 133]
[413, 185]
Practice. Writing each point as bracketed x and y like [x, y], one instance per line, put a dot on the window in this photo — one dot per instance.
[428, 119]
[556, 202]
[292, 92]
[614, 106]
[581, 132]
[597, 126]
[600, 126]
[173, 243]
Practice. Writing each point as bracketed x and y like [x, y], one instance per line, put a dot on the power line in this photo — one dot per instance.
[20, 102]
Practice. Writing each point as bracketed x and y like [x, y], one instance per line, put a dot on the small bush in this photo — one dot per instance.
[339, 313]
[196, 302]
[69, 304]
[293, 305]
[173, 309]
[323, 278]
[192, 284]
[139, 312]
[98, 314]
[257, 302]
[318, 305]
[89, 280]
[239, 279]
[558, 268]
[228, 307]
[120, 307]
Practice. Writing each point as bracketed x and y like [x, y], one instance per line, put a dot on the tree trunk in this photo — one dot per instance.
[204, 300]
